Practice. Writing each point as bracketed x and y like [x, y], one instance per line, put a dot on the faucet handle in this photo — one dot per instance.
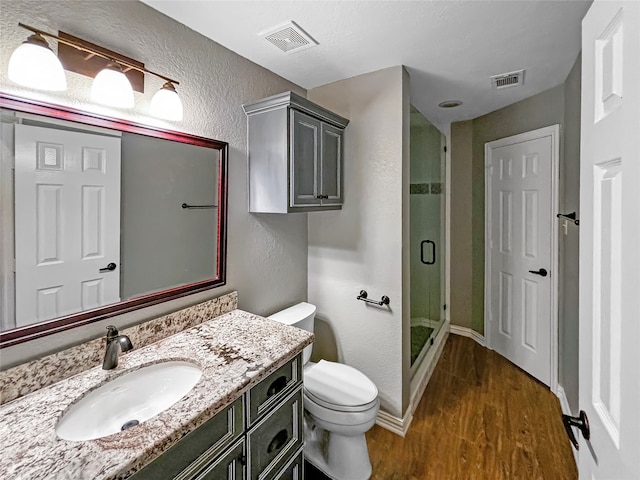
[112, 332]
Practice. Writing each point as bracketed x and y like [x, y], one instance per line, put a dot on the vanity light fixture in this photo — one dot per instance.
[33, 64]
[110, 86]
[166, 103]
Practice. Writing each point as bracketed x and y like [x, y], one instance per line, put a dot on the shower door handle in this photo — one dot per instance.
[433, 252]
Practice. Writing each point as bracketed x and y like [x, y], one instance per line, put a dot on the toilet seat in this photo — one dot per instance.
[339, 387]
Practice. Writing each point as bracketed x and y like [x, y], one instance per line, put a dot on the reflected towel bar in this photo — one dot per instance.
[186, 205]
[569, 216]
[363, 296]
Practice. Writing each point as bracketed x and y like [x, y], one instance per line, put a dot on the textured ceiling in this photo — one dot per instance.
[450, 48]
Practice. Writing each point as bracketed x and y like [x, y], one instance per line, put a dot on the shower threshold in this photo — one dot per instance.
[423, 333]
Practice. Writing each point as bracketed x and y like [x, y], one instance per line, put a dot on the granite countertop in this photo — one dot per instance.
[235, 351]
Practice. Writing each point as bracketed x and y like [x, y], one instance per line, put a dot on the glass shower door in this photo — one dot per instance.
[427, 207]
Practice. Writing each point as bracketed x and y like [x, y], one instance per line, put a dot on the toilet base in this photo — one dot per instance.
[339, 457]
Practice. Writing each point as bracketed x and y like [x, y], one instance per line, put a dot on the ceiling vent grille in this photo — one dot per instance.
[507, 80]
[289, 37]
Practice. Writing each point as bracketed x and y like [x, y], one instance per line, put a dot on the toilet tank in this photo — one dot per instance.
[301, 316]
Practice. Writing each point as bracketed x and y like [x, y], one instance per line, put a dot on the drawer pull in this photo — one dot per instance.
[278, 441]
[277, 386]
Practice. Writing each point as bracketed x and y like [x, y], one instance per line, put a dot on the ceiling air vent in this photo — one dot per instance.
[506, 80]
[289, 37]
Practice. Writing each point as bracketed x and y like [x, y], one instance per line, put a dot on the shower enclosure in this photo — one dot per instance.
[427, 207]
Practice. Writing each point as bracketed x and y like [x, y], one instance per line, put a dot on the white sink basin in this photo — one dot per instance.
[128, 400]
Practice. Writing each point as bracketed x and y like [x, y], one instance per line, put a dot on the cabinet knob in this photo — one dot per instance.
[322, 196]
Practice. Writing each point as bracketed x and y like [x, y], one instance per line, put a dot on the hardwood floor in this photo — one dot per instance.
[480, 418]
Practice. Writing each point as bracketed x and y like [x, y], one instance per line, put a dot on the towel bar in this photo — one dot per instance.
[363, 296]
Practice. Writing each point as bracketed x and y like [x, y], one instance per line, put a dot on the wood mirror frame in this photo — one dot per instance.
[48, 327]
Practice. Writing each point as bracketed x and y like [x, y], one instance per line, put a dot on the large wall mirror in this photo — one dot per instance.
[100, 216]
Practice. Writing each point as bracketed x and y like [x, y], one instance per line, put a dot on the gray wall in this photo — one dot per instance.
[162, 244]
[544, 109]
[461, 265]
[365, 245]
[267, 254]
[559, 105]
[569, 244]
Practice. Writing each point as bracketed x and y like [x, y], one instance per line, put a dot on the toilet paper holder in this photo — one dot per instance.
[363, 296]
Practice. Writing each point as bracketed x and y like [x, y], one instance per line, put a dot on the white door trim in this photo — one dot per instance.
[554, 132]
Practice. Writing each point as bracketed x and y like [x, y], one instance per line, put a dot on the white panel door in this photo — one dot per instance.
[520, 197]
[610, 241]
[67, 222]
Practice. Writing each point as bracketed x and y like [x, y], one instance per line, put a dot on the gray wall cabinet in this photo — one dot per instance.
[259, 436]
[295, 155]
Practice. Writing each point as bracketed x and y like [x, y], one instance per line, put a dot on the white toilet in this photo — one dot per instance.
[340, 405]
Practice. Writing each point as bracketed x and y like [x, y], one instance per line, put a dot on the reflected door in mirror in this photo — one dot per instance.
[67, 222]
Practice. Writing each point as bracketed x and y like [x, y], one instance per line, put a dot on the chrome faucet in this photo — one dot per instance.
[115, 340]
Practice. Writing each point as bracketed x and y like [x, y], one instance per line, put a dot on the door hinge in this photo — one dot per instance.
[444, 307]
[445, 149]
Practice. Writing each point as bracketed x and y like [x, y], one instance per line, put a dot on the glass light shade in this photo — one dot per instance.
[112, 87]
[33, 64]
[166, 103]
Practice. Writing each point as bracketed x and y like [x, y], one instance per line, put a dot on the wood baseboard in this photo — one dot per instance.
[467, 332]
[399, 426]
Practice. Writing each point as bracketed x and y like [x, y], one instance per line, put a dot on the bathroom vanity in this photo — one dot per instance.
[242, 420]
[258, 436]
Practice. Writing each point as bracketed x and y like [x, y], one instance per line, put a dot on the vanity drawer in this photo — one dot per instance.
[230, 466]
[294, 470]
[276, 438]
[193, 452]
[269, 392]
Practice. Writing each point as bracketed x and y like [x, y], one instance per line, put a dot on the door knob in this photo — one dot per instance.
[582, 422]
[542, 272]
[109, 268]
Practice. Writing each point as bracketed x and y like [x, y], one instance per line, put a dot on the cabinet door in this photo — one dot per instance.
[331, 165]
[275, 439]
[230, 466]
[304, 161]
[187, 457]
[270, 391]
[294, 470]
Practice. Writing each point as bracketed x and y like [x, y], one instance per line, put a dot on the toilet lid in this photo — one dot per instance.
[339, 384]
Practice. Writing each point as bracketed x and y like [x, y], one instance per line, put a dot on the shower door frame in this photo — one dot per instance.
[443, 274]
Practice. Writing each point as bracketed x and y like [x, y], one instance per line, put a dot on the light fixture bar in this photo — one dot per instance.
[92, 51]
